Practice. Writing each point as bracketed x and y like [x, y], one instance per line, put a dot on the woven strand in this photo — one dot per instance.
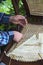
[9, 62]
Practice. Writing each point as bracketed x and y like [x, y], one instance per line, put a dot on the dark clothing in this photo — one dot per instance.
[4, 18]
[6, 36]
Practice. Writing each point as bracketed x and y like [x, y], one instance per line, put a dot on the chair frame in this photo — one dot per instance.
[16, 8]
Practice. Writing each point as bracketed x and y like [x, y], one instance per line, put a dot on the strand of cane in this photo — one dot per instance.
[9, 62]
[26, 30]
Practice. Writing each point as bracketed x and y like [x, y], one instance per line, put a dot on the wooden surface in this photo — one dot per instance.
[35, 7]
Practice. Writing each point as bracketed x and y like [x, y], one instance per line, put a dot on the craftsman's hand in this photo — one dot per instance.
[17, 36]
[18, 19]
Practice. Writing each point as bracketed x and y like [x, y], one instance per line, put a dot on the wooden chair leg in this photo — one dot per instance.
[26, 8]
[15, 6]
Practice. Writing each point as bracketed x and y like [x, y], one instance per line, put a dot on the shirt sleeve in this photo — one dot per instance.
[4, 19]
[6, 37]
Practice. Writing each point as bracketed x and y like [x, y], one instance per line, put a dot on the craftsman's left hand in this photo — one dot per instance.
[18, 19]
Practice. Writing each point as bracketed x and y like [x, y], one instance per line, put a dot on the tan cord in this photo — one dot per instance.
[10, 62]
[39, 55]
[26, 30]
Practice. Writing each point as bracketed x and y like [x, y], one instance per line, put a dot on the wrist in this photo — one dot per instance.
[11, 35]
[12, 19]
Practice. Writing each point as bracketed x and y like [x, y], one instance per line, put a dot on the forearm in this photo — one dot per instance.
[6, 37]
[4, 18]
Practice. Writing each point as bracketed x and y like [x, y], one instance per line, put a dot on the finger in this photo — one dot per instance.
[15, 22]
[21, 24]
[23, 21]
[20, 17]
[26, 21]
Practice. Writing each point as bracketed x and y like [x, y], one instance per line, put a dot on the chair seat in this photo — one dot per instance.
[28, 31]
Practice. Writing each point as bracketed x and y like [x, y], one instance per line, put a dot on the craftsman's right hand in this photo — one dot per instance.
[17, 36]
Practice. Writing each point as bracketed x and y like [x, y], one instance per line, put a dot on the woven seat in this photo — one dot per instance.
[28, 31]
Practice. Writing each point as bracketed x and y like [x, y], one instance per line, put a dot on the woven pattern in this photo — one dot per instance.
[28, 31]
[35, 7]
